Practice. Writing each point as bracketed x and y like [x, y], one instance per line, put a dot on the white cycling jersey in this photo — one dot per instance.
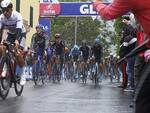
[15, 21]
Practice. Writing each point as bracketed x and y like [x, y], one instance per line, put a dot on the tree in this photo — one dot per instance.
[86, 28]
[118, 27]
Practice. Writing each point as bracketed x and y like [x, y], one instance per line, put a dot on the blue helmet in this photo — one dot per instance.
[97, 41]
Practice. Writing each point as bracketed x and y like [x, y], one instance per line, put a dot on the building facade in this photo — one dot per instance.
[30, 13]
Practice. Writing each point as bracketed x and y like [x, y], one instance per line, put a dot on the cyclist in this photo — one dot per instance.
[12, 20]
[75, 53]
[67, 53]
[59, 48]
[49, 52]
[84, 51]
[97, 52]
[38, 45]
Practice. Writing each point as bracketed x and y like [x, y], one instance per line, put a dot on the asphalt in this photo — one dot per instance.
[68, 97]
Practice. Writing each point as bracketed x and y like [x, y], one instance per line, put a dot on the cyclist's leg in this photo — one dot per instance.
[100, 76]
[75, 68]
[40, 59]
[22, 68]
[5, 68]
[22, 40]
[61, 65]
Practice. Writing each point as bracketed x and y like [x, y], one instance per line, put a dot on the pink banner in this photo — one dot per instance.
[48, 9]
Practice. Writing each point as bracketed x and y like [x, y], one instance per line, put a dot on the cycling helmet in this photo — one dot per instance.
[39, 26]
[6, 4]
[83, 42]
[75, 46]
[57, 35]
[126, 17]
[97, 41]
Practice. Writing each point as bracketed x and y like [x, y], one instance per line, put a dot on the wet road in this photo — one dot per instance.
[68, 97]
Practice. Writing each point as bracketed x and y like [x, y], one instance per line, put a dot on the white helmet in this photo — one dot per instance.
[75, 46]
[6, 4]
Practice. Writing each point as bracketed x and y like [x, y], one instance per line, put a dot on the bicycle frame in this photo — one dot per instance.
[10, 77]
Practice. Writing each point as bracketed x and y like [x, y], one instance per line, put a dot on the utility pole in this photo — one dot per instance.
[76, 28]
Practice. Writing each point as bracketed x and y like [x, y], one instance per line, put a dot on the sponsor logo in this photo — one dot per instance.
[87, 9]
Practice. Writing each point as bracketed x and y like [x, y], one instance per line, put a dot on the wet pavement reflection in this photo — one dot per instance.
[68, 97]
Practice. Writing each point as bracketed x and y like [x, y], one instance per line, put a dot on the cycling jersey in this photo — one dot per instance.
[38, 43]
[12, 23]
[15, 27]
[59, 48]
[59, 51]
[85, 52]
[50, 52]
[97, 52]
[75, 52]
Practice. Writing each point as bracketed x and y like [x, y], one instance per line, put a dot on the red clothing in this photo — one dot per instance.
[140, 40]
[140, 8]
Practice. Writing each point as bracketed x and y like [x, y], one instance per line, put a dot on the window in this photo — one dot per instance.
[18, 5]
[31, 16]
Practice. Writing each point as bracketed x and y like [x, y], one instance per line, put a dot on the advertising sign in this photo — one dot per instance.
[46, 23]
[49, 1]
[48, 9]
[77, 9]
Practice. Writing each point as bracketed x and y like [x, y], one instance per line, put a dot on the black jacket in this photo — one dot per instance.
[59, 48]
[128, 41]
[38, 41]
[97, 51]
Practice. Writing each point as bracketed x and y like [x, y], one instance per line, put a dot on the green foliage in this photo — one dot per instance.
[118, 27]
[87, 29]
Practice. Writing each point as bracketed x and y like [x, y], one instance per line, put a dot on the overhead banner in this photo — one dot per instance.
[77, 9]
[46, 23]
[48, 9]
[49, 1]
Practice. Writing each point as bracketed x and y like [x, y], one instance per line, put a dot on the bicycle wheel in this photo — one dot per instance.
[84, 79]
[58, 72]
[96, 75]
[44, 74]
[18, 87]
[86, 73]
[54, 72]
[4, 81]
[35, 74]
